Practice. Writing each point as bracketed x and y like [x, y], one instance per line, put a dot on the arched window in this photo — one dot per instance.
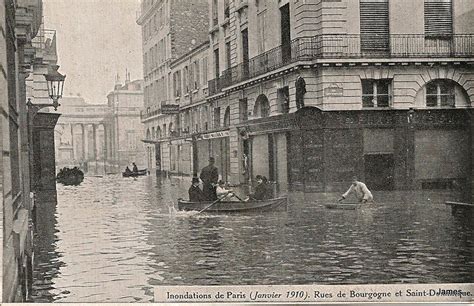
[153, 135]
[158, 132]
[164, 130]
[148, 134]
[262, 107]
[170, 128]
[440, 93]
[227, 116]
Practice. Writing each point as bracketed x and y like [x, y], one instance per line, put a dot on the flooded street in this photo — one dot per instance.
[114, 239]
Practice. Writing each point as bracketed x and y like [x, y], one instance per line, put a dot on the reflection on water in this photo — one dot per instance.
[114, 239]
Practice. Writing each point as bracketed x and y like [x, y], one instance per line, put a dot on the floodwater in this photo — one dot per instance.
[113, 239]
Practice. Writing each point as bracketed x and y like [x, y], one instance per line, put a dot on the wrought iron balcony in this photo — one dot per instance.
[344, 47]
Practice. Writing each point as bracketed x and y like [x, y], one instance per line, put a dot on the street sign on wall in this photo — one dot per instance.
[170, 109]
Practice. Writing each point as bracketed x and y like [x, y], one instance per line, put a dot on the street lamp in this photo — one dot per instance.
[55, 82]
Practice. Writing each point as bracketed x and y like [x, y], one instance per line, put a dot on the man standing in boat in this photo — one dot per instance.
[361, 191]
[135, 168]
[209, 177]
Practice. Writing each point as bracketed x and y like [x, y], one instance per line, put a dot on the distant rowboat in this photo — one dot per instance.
[135, 174]
[233, 206]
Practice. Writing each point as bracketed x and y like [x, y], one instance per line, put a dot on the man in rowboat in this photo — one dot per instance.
[262, 191]
[195, 193]
[209, 177]
[361, 191]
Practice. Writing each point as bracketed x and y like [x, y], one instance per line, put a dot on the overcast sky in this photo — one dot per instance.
[96, 39]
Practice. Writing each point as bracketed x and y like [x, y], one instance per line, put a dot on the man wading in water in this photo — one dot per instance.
[361, 191]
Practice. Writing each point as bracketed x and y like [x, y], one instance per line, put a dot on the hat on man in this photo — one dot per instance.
[195, 180]
[211, 159]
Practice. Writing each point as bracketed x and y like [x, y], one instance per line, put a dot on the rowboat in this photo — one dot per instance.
[134, 174]
[234, 206]
[343, 206]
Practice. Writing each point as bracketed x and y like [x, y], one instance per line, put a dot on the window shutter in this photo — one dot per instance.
[438, 18]
[374, 25]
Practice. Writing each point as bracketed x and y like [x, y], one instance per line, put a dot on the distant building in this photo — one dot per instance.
[125, 103]
[102, 138]
[170, 29]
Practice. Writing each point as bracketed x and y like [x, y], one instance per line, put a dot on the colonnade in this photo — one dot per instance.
[90, 142]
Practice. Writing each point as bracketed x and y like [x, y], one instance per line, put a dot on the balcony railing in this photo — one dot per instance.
[345, 47]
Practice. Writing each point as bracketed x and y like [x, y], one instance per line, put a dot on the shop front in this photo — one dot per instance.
[213, 144]
[387, 149]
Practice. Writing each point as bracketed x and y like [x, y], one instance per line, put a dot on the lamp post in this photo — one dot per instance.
[55, 83]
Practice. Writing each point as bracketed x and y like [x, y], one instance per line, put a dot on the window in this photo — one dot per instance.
[204, 71]
[216, 63]
[244, 109]
[376, 93]
[227, 116]
[374, 25]
[217, 117]
[440, 93]
[261, 31]
[438, 18]
[262, 107]
[227, 54]
[177, 83]
[196, 74]
[214, 13]
[283, 96]
[185, 80]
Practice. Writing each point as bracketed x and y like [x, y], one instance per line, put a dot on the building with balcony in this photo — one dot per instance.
[378, 89]
[170, 29]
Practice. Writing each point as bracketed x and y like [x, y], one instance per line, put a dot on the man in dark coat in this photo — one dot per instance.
[262, 190]
[209, 176]
[195, 193]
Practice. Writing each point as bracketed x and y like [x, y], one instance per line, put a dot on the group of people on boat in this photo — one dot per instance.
[134, 169]
[214, 189]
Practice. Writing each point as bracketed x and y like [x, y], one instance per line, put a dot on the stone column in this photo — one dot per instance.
[72, 141]
[94, 142]
[83, 139]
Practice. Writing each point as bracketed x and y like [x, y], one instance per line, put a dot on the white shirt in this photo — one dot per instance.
[361, 191]
[221, 191]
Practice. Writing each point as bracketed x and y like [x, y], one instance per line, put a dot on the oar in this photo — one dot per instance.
[218, 200]
[233, 194]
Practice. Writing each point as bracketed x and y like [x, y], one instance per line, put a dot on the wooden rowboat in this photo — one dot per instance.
[343, 206]
[134, 174]
[234, 206]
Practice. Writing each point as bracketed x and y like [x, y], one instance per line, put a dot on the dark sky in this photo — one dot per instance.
[96, 39]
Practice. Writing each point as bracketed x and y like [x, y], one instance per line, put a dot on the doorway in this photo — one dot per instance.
[379, 169]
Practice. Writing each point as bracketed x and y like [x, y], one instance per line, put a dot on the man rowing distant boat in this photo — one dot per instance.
[361, 191]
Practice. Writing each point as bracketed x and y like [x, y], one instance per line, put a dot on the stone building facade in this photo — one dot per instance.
[27, 138]
[170, 29]
[386, 85]
[102, 138]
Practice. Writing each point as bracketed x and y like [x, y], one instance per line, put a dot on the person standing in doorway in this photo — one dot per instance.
[209, 177]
